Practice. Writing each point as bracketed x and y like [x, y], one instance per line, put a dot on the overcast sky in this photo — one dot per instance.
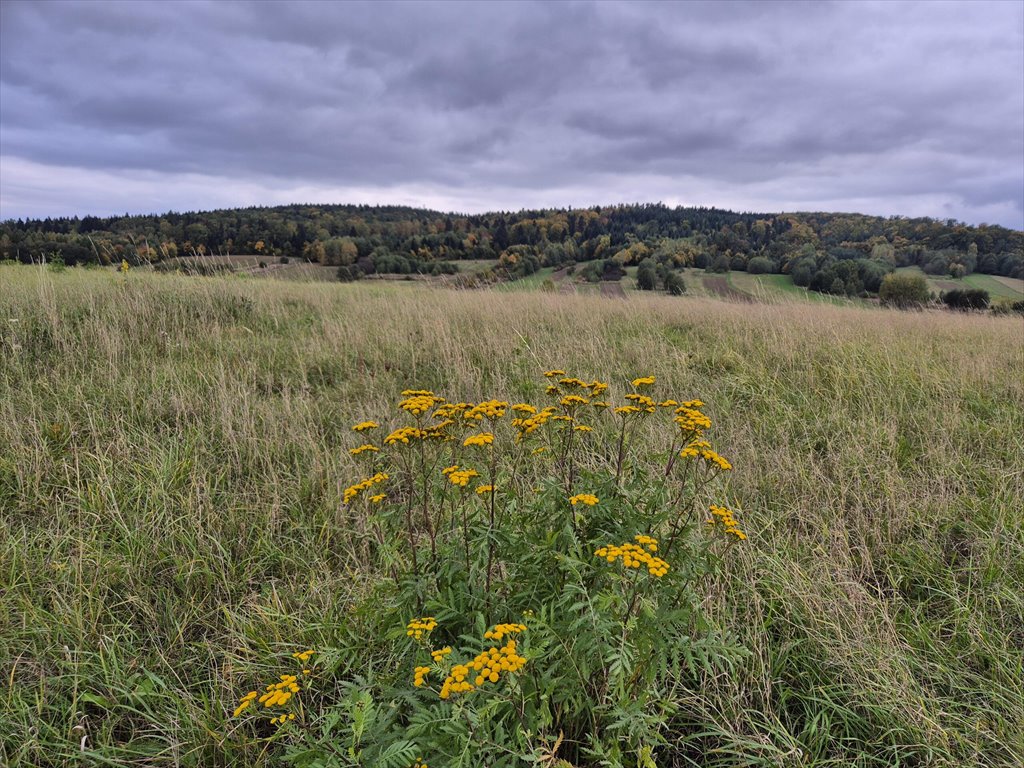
[889, 108]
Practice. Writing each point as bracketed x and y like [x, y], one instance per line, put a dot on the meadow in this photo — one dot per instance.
[175, 452]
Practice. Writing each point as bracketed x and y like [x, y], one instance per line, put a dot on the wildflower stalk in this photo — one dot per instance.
[622, 451]
[490, 524]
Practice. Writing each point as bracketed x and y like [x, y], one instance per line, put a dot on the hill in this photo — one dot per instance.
[836, 253]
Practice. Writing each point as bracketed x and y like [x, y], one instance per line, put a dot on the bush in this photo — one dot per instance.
[347, 273]
[760, 265]
[543, 589]
[646, 276]
[904, 290]
[674, 284]
[283, 260]
[965, 299]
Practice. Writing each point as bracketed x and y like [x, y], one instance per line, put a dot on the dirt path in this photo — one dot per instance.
[719, 284]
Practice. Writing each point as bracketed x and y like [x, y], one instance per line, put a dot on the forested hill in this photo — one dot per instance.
[853, 249]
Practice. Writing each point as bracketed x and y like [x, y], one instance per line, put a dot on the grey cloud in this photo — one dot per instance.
[834, 101]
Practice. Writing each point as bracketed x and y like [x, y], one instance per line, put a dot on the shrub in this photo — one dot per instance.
[544, 589]
[904, 290]
[674, 284]
[283, 260]
[646, 276]
[965, 299]
[760, 265]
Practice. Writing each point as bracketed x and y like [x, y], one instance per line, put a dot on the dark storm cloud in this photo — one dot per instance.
[890, 108]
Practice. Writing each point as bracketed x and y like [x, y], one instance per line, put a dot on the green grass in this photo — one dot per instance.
[998, 287]
[172, 453]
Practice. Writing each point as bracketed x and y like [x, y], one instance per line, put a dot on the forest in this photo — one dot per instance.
[836, 253]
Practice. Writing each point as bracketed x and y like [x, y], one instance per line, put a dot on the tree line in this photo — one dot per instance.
[835, 253]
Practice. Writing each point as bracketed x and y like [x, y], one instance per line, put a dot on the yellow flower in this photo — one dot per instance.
[482, 489]
[492, 409]
[440, 653]
[552, 374]
[484, 438]
[524, 408]
[420, 403]
[354, 490]
[723, 516]
[461, 477]
[377, 499]
[643, 381]
[583, 498]
[364, 425]
[403, 435]
[363, 449]
[583, 428]
[571, 401]
[635, 555]
[420, 674]
[418, 628]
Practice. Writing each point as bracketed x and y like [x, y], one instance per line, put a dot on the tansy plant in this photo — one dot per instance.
[546, 565]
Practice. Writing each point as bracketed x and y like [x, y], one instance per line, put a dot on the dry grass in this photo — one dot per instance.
[171, 451]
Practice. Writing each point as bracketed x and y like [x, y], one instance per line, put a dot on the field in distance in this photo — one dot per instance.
[173, 454]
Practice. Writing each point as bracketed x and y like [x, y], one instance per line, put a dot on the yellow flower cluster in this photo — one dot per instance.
[552, 374]
[690, 419]
[643, 381]
[500, 630]
[440, 653]
[419, 763]
[573, 401]
[378, 498]
[459, 477]
[600, 404]
[703, 449]
[492, 409]
[583, 428]
[670, 403]
[419, 675]
[484, 489]
[571, 382]
[484, 438]
[635, 555]
[363, 449]
[532, 423]
[354, 490]
[419, 402]
[404, 435]
[724, 517]
[303, 656]
[278, 694]
[244, 702]
[282, 719]
[418, 628]
[524, 408]
[642, 401]
[649, 542]
[489, 665]
[583, 498]
[450, 410]
[362, 426]
[626, 410]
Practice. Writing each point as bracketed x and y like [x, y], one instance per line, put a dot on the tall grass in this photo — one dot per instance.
[172, 453]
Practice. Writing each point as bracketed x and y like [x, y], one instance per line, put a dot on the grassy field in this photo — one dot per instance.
[173, 452]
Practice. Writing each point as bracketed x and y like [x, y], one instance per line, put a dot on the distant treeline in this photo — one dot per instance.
[830, 252]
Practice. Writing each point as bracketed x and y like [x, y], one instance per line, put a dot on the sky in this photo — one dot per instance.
[889, 108]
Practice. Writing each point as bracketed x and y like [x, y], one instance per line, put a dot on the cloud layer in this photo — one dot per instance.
[888, 108]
